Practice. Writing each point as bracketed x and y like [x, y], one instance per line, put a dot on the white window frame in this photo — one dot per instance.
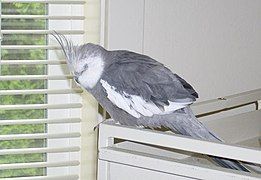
[75, 164]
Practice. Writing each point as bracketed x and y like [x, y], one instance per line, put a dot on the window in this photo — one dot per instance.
[39, 104]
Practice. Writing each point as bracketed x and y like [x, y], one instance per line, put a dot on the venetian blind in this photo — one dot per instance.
[40, 106]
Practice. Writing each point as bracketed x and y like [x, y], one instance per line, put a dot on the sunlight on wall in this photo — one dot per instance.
[90, 106]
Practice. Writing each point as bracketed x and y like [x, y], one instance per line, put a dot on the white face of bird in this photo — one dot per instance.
[85, 61]
[88, 71]
[88, 65]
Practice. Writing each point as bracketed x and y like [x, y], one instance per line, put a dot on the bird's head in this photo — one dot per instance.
[84, 61]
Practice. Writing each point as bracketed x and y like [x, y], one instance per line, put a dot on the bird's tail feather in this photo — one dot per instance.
[232, 164]
[185, 122]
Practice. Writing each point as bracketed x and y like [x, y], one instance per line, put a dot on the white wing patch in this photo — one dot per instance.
[136, 105]
[119, 100]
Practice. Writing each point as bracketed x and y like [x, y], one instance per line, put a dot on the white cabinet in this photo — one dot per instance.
[127, 153]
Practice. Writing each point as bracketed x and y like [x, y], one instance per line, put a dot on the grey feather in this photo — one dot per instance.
[129, 74]
[184, 122]
[141, 75]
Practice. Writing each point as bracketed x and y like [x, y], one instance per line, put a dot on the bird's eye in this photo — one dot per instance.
[85, 67]
[79, 73]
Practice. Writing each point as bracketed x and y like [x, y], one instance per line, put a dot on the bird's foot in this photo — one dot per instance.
[109, 121]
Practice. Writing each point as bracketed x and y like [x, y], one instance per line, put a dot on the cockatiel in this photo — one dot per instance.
[137, 90]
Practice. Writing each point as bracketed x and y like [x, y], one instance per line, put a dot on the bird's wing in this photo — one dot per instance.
[142, 86]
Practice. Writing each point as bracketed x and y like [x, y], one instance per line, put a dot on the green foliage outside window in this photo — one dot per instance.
[23, 39]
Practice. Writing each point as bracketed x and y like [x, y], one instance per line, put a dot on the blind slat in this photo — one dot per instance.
[66, 136]
[40, 106]
[35, 77]
[38, 165]
[66, 177]
[46, 1]
[40, 121]
[41, 31]
[39, 150]
[39, 136]
[40, 91]
[43, 17]
[31, 47]
[32, 62]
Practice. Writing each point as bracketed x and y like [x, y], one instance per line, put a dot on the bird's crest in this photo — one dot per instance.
[67, 46]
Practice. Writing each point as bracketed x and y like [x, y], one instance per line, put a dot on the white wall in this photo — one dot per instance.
[90, 106]
[215, 45]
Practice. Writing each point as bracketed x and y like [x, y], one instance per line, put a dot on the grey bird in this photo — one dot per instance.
[137, 90]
